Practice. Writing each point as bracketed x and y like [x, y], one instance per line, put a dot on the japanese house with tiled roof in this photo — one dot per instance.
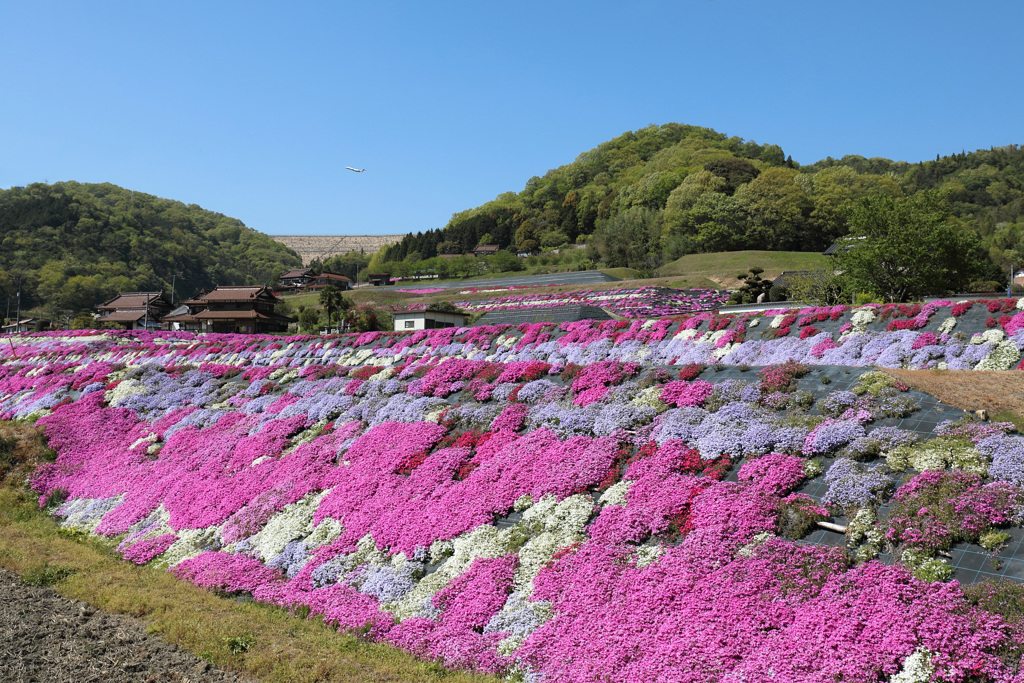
[135, 310]
[243, 309]
[323, 279]
[300, 277]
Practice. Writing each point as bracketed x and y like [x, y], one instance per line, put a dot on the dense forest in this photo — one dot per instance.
[74, 245]
[662, 192]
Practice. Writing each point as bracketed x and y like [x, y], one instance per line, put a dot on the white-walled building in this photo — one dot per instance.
[427, 320]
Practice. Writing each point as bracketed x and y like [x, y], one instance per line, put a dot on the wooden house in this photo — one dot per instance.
[243, 309]
[135, 310]
[296, 279]
[25, 325]
[324, 279]
[486, 250]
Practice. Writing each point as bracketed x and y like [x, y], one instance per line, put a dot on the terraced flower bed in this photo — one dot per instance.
[644, 302]
[699, 499]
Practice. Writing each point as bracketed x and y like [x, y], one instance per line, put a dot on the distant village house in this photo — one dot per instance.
[245, 309]
[135, 310]
[486, 250]
[293, 279]
[324, 279]
[25, 325]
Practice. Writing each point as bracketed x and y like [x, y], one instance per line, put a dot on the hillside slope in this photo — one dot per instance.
[75, 245]
[650, 196]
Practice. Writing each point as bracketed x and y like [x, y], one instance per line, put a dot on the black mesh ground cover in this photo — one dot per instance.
[970, 562]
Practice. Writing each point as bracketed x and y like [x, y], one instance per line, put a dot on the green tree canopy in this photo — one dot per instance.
[333, 298]
[77, 245]
[904, 248]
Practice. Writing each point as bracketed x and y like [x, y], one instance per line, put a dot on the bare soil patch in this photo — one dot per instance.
[46, 637]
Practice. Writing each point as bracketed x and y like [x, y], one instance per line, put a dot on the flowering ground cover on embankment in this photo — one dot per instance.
[561, 503]
[644, 302]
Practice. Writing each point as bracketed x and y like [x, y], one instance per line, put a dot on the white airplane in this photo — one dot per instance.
[357, 170]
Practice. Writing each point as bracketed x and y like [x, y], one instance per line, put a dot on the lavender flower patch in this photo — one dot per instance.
[851, 484]
[292, 559]
[1007, 454]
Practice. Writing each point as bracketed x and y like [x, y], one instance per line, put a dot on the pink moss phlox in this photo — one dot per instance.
[682, 393]
[145, 550]
[226, 572]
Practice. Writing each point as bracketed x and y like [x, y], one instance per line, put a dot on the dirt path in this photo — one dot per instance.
[45, 637]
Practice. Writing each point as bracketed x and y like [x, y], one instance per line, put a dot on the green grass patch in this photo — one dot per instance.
[621, 273]
[1009, 416]
[694, 283]
[47, 574]
[729, 264]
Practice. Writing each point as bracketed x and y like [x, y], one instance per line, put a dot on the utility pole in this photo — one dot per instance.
[173, 279]
[17, 321]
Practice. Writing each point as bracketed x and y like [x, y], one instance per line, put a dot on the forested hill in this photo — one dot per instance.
[665, 191]
[76, 245]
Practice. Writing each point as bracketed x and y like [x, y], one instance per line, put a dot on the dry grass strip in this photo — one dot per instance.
[999, 392]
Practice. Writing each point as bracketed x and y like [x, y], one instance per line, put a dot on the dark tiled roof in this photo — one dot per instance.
[786, 277]
[239, 293]
[240, 315]
[840, 245]
[134, 300]
[125, 317]
[555, 314]
[299, 272]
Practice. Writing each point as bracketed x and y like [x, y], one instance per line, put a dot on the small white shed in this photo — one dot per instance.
[427, 320]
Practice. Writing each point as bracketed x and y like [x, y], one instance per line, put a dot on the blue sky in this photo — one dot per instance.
[253, 109]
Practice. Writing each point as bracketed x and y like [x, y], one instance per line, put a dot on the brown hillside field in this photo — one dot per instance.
[1000, 392]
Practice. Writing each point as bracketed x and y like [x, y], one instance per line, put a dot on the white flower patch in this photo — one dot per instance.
[947, 325]
[482, 541]
[937, 455]
[123, 390]
[283, 375]
[1020, 304]
[307, 435]
[756, 542]
[357, 358]
[861, 318]
[559, 523]
[724, 351]
[435, 415]
[191, 542]
[995, 335]
[754, 322]
[150, 438]
[294, 521]
[651, 398]
[777, 321]
[326, 531]
[1004, 357]
[384, 374]
[616, 493]
[917, 668]
[647, 555]
[687, 335]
